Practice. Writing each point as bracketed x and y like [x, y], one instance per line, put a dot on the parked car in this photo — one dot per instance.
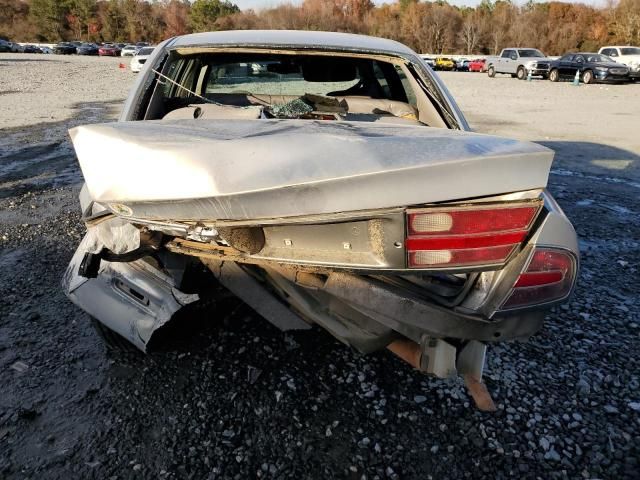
[64, 48]
[462, 65]
[142, 44]
[47, 50]
[333, 198]
[519, 63]
[129, 50]
[477, 65]
[627, 55]
[429, 61]
[139, 59]
[4, 46]
[87, 49]
[591, 68]
[443, 63]
[31, 49]
[109, 50]
[15, 47]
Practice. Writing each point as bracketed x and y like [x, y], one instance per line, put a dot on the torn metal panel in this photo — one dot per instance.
[471, 359]
[133, 299]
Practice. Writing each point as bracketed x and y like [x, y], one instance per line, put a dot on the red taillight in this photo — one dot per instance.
[467, 236]
[470, 222]
[548, 277]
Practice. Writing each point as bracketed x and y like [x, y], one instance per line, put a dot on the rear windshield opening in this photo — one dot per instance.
[269, 74]
[285, 85]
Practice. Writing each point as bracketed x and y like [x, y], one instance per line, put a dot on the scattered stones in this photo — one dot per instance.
[552, 455]
[20, 367]
[544, 443]
[254, 402]
[583, 387]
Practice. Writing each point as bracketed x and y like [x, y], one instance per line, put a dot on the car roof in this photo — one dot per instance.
[292, 39]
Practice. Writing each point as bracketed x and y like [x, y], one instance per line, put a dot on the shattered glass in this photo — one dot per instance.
[293, 109]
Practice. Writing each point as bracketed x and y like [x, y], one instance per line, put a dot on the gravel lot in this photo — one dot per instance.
[238, 399]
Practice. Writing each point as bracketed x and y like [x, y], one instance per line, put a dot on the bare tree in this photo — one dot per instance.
[470, 33]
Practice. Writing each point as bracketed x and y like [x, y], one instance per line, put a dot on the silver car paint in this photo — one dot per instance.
[248, 169]
[291, 40]
[104, 298]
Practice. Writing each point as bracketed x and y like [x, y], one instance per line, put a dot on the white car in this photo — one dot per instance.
[46, 50]
[129, 50]
[140, 58]
[627, 55]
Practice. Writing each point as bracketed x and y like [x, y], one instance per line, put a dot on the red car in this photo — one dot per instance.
[109, 50]
[477, 65]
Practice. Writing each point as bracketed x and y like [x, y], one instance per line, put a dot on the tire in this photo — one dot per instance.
[554, 75]
[114, 342]
[521, 73]
[491, 71]
[587, 77]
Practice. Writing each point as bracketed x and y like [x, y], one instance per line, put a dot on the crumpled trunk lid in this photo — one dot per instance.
[247, 169]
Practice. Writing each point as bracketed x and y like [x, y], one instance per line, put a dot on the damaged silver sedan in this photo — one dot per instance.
[322, 178]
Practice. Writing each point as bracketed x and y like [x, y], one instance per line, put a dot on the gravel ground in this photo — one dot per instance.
[239, 399]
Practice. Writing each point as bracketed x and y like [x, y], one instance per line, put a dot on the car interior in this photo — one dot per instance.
[250, 85]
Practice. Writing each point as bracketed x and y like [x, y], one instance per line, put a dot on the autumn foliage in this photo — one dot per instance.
[435, 27]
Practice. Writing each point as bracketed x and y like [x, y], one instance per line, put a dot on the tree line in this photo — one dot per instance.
[434, 27]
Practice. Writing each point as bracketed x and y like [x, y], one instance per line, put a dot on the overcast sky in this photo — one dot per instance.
[258, 4]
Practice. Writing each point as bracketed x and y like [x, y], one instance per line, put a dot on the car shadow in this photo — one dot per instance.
[41, 156]
[590, 158]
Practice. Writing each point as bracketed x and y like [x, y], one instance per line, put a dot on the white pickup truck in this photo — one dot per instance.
[627, 55]
[519, 62]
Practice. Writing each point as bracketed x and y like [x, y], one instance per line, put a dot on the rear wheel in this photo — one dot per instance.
[521, 73]
[587, 77]
[554, 76]
[491, 71]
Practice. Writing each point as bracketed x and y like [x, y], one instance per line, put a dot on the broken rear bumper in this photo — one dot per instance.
[133, 299]
[392, 307]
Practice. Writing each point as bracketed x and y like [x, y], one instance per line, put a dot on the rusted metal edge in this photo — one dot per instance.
[410, 352]
[479, 393]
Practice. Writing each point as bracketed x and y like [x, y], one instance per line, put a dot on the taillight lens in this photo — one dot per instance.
[467, 236]
[548, 277]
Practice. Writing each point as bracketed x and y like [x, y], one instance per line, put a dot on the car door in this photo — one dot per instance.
[565, 66]
[513, 62]
[578, 64]
[503, 61]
